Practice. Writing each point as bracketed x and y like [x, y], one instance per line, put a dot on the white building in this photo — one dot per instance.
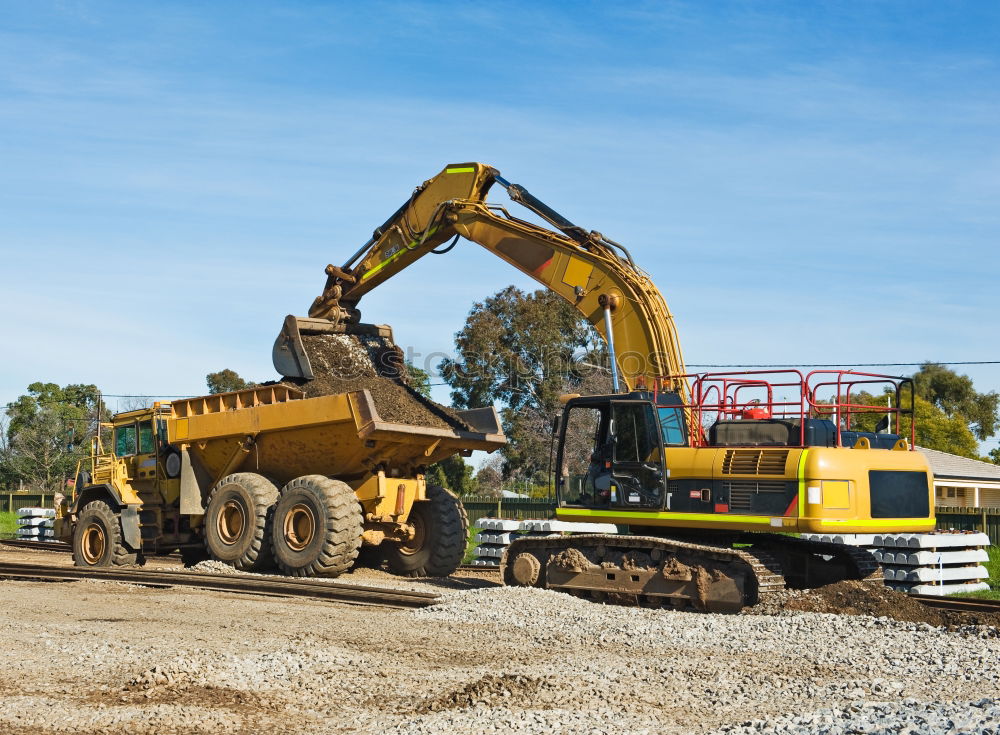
[963, 482]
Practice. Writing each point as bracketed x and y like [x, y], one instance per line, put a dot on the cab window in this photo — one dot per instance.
[146, 445]
[635, 438]
[125, 441]
[581, 460]
[671, 425]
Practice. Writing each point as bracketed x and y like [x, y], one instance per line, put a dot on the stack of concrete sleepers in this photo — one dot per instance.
[939, 563]
[35, 524]
[496, 534]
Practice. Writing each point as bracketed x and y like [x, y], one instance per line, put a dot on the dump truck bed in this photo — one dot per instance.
[277, 432]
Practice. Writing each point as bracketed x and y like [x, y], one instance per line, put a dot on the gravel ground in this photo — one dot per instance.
[111, 658]
[886, 718]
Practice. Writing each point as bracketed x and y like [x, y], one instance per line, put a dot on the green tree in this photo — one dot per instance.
[935, 428]
[995, 455]
[454, 474]
[522, 350]
[226, 381]
[47, 431]
[955, 395]
[489, 479]
[418, 379]
[516, 348]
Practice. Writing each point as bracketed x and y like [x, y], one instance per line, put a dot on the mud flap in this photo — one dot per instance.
[195, 484]
[131, 534]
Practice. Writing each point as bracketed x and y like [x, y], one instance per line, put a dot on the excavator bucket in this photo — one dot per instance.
[289, 354]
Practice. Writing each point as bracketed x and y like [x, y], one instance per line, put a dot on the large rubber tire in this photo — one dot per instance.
[238, 521]
[317, 527]
[442, 531]
[97, 538]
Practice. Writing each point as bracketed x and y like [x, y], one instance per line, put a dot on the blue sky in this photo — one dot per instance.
[807, 183]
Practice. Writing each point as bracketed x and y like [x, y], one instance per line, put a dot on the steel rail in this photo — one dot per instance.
[474, 568]
[959, 604]
[36, 545]
[239, 584]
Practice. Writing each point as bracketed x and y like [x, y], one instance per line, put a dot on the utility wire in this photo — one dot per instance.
[851, 364]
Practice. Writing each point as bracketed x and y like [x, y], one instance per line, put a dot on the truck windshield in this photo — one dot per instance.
[146, 445]
[125, 441]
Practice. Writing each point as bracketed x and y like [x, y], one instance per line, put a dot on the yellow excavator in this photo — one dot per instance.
[710, 477]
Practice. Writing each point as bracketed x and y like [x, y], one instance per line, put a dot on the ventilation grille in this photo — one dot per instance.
[741, 494]
[754, 462]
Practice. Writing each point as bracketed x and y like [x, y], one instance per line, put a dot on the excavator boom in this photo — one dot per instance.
[593, 273]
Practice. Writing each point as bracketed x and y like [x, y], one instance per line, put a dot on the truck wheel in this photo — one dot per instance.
[97, 538]
[441, 531]
[317, 527]
[238, 521]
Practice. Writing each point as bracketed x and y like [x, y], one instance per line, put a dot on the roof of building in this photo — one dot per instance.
[951, 465]
[510, 494]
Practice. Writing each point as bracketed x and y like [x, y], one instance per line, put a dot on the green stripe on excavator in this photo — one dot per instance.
[641, 515]
[368, 274]
[469, 170]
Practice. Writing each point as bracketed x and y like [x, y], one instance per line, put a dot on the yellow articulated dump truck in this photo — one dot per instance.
[266, 477]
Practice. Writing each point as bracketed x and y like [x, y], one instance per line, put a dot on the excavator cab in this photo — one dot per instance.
[611, 451]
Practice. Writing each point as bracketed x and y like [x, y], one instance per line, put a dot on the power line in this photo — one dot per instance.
[851, 364]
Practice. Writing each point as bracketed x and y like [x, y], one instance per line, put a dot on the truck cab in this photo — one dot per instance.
[138, 481]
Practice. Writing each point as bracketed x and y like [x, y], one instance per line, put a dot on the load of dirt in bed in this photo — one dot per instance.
[344, 363]
[857, 598]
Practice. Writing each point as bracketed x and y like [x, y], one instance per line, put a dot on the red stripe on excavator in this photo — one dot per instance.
[792, 507]
[542, 267]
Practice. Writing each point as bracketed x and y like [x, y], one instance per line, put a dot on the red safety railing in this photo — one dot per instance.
[788, 395]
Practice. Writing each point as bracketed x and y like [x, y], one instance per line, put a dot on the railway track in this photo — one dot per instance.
[35, 545]
[959, 604]
[238, 584]
[474, 568]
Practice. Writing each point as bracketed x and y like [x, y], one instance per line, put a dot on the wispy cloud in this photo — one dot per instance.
[793, 212]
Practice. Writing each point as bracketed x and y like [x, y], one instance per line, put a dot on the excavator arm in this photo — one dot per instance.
[594, 274]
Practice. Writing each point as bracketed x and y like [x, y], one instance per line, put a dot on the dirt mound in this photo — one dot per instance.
[858, 598]
[509, 688]
[345, 363]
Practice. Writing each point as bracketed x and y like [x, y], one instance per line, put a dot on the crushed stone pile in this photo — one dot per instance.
[486, 690]
[980, 717]
[344, 363]
[855, 598]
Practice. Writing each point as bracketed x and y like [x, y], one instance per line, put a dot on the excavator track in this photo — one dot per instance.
[655, 571]
[809, 563]
[644, 570]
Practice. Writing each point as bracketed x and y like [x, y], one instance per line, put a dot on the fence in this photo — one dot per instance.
[9, 502]
[986, 520]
